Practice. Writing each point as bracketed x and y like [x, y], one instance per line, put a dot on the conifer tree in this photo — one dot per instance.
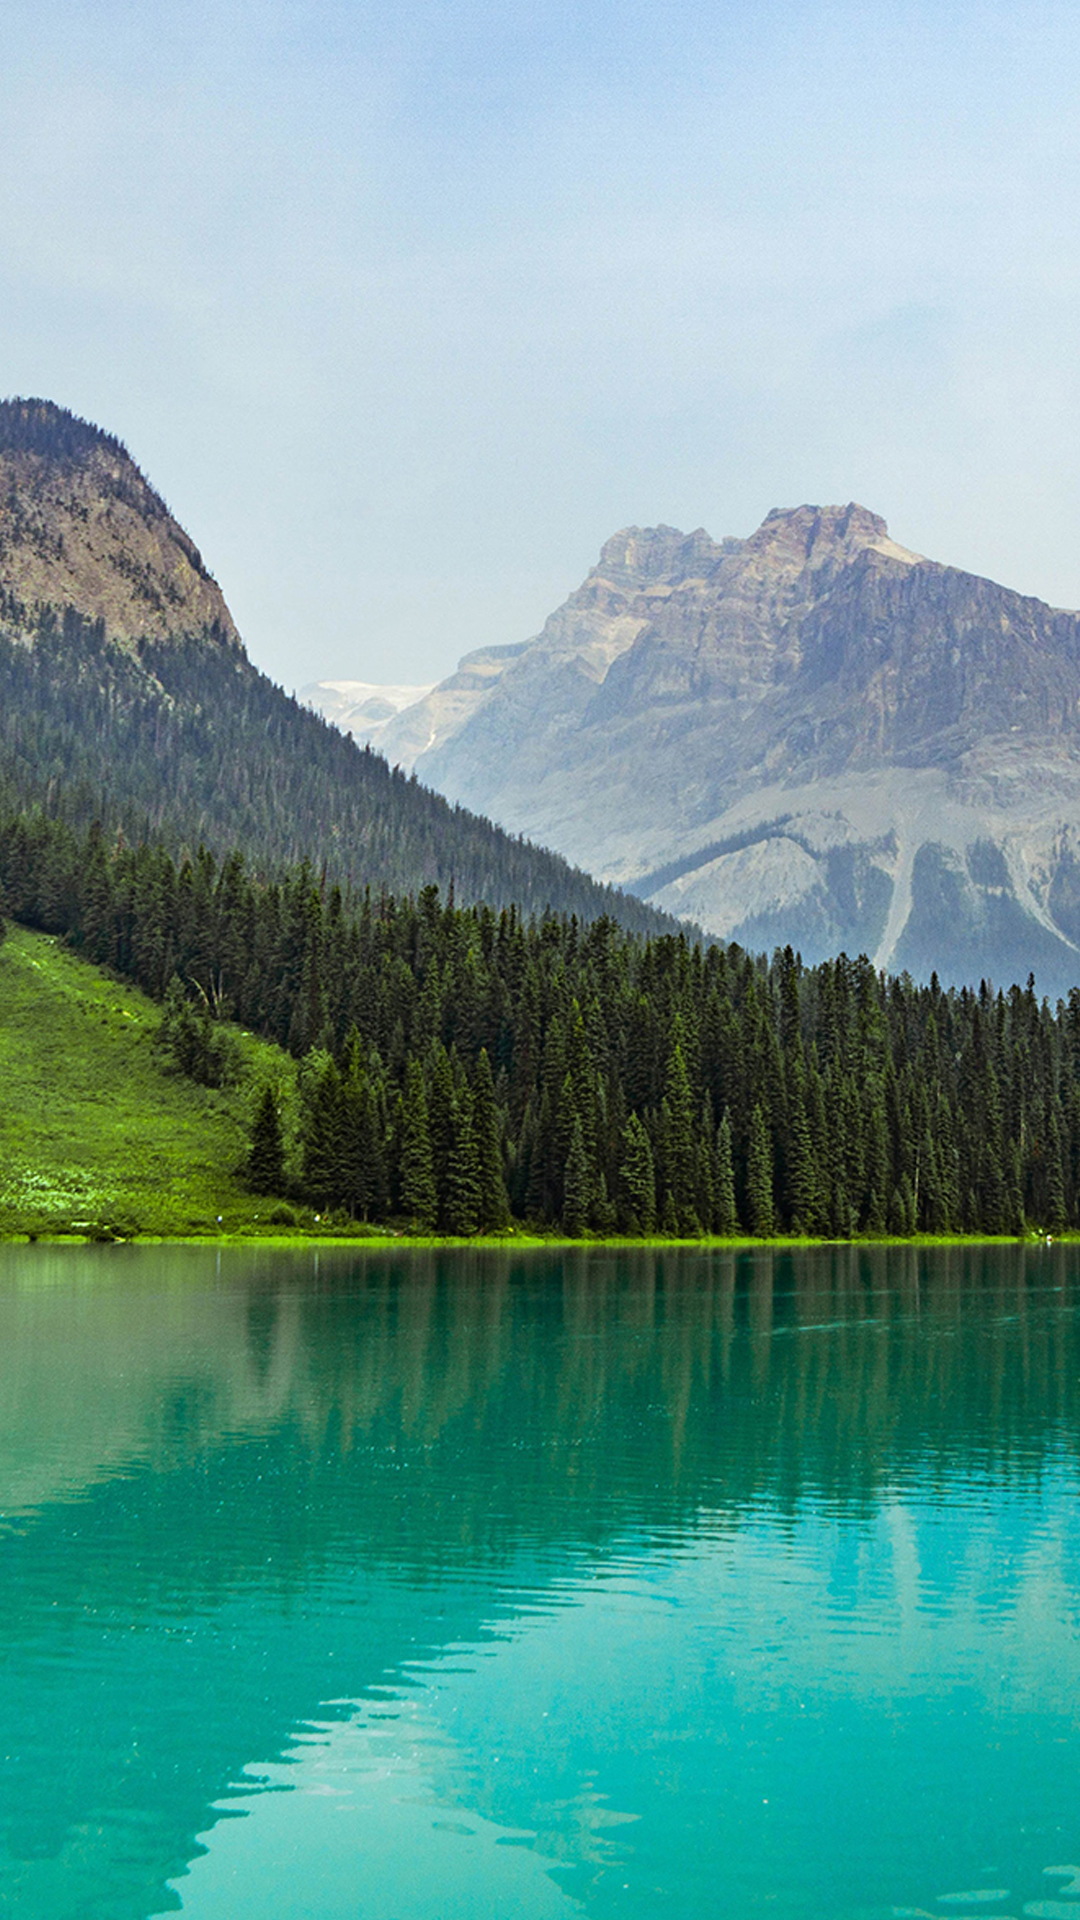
[802, 1174]
[876, 1173]
[605, 1216]
[266, 1161]
[759, 1178]
[463, 1193]
[363, 1183]
[1055, 1180]
[419, 1198]
[562, 1134]
[637, 1179]
[351, 1169]
[526, 1151]
[705, 1182]
[320, 1087]
[494, 1209]
[725, 1217]
[440, 1104]
[576, 1184]
[1014, 1192]
[679, 1157]
[901, 1216]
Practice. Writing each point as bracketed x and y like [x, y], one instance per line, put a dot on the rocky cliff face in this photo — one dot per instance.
[81, 527]
[812, 735]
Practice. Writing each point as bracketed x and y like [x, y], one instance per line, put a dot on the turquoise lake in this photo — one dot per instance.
[424, 1586]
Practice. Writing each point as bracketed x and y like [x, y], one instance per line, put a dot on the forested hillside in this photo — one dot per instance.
[458, 1065]
[126, 696]
[186, 743]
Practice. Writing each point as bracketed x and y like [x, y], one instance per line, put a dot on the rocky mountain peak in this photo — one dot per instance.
[810, 735]
[794, 540]
[640, 557]
[80, 526]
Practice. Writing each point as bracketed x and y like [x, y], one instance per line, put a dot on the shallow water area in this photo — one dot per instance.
[417, 1585]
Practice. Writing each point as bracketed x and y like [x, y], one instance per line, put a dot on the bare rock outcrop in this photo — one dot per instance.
[80, 526]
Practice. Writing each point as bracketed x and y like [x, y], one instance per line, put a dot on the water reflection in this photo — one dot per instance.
[757, 1573]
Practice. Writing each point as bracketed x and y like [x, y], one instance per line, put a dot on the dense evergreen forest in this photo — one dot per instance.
[458, 1066]
[184, 742]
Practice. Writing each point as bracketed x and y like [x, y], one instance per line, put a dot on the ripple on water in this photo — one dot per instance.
[979, 1897]
[965, 1904]
[1071, 1874]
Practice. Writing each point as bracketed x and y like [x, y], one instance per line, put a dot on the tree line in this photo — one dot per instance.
[458, 1067]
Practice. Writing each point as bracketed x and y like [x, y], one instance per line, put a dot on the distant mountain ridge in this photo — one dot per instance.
[126, 695]
[812, 735]
[360, 707]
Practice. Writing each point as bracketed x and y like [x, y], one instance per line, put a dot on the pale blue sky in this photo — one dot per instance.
[406, 309]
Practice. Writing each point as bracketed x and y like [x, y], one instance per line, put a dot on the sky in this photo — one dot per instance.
[406, 309]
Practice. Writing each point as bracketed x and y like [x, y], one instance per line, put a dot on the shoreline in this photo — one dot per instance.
[377, 1242]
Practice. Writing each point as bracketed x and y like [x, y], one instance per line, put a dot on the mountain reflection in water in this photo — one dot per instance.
[627, 1582]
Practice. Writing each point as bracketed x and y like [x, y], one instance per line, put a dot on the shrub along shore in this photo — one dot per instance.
[407, 1064]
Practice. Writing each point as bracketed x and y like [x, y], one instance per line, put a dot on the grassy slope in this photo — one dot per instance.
[93, 1130]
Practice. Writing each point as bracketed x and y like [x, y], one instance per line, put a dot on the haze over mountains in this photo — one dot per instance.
[127, 696]
[361, 707]
[812, 735]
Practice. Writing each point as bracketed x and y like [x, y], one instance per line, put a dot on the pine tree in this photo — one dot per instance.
[679, 1159]
[463, 1171]
[320, 1088]
[605, 1215]
[759, 1178]
[373, 1138]
[494, 1208]
[877, 1164]
[1014, 1192]
[725, 1217]
[351, 1171]
[705, 1182]
[637, 1179]
[1055, 1178]
[525, 1153]
[266, 1161]
[802, 1180]
[901, 1216]
[576, 1184]
[419, 1198]
[562, 1133]
[440, 1105]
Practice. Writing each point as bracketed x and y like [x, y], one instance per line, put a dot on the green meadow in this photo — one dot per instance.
[96, 1133]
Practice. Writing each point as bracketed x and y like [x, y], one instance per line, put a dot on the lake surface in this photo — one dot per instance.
[417, 1587]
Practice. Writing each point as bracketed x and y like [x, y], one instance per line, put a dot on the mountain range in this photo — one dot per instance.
[126, 695]
[813, 735]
